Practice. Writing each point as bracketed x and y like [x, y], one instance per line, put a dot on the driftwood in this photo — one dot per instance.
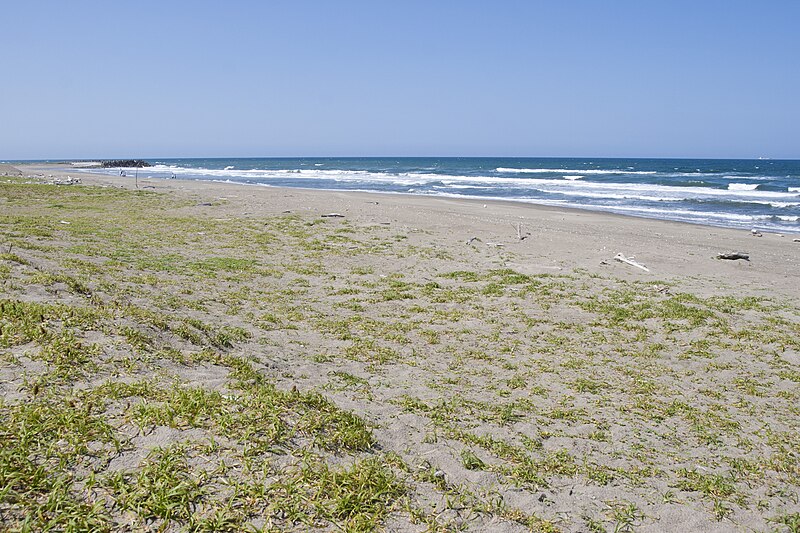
[734, 255]
[333, 215]
[629, 261]
[795, 240]
[755, 233]
[520, 236]
[473, 239]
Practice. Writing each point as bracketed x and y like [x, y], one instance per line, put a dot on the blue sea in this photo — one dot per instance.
[762, 194]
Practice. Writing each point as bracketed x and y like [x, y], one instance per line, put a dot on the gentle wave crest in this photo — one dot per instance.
[569, 171]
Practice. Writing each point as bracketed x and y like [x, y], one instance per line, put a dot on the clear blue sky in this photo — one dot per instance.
[635, 78]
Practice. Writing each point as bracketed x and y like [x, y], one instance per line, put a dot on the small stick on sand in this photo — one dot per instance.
[520, 236]
[333, 215]
[629, 261]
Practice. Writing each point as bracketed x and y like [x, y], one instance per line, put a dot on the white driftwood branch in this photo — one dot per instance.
[629, 261]
[520, 236]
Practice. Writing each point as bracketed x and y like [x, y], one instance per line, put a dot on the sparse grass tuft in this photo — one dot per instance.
[163, 488]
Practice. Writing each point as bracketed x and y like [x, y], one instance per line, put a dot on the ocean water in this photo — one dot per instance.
[762, 194]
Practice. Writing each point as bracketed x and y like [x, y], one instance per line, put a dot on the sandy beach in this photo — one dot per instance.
[303, 359]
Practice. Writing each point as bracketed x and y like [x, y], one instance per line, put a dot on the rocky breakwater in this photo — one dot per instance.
[128, 163]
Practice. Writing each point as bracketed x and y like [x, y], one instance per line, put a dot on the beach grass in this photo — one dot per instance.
[170, 362]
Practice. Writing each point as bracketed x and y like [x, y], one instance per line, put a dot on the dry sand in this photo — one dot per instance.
[645, 422]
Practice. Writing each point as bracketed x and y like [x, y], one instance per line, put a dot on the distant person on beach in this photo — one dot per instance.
[173, 176]
[122, 173]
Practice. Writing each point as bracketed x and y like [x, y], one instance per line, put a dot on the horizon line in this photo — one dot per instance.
[92, 159]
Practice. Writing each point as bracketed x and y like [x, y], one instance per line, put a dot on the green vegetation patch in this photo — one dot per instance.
[218, 352]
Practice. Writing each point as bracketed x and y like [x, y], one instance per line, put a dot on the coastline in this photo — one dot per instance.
[725, 193]
[561, 238]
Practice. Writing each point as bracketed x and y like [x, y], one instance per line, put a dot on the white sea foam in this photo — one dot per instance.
[690, 174]
[644, 191]
[631, 189]
[701, 217]
[742, 186]
[570, 171]
[794, 189]
[711, 175]
[782, 204]
[460, 187]
[229, 172]
[572, 177]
